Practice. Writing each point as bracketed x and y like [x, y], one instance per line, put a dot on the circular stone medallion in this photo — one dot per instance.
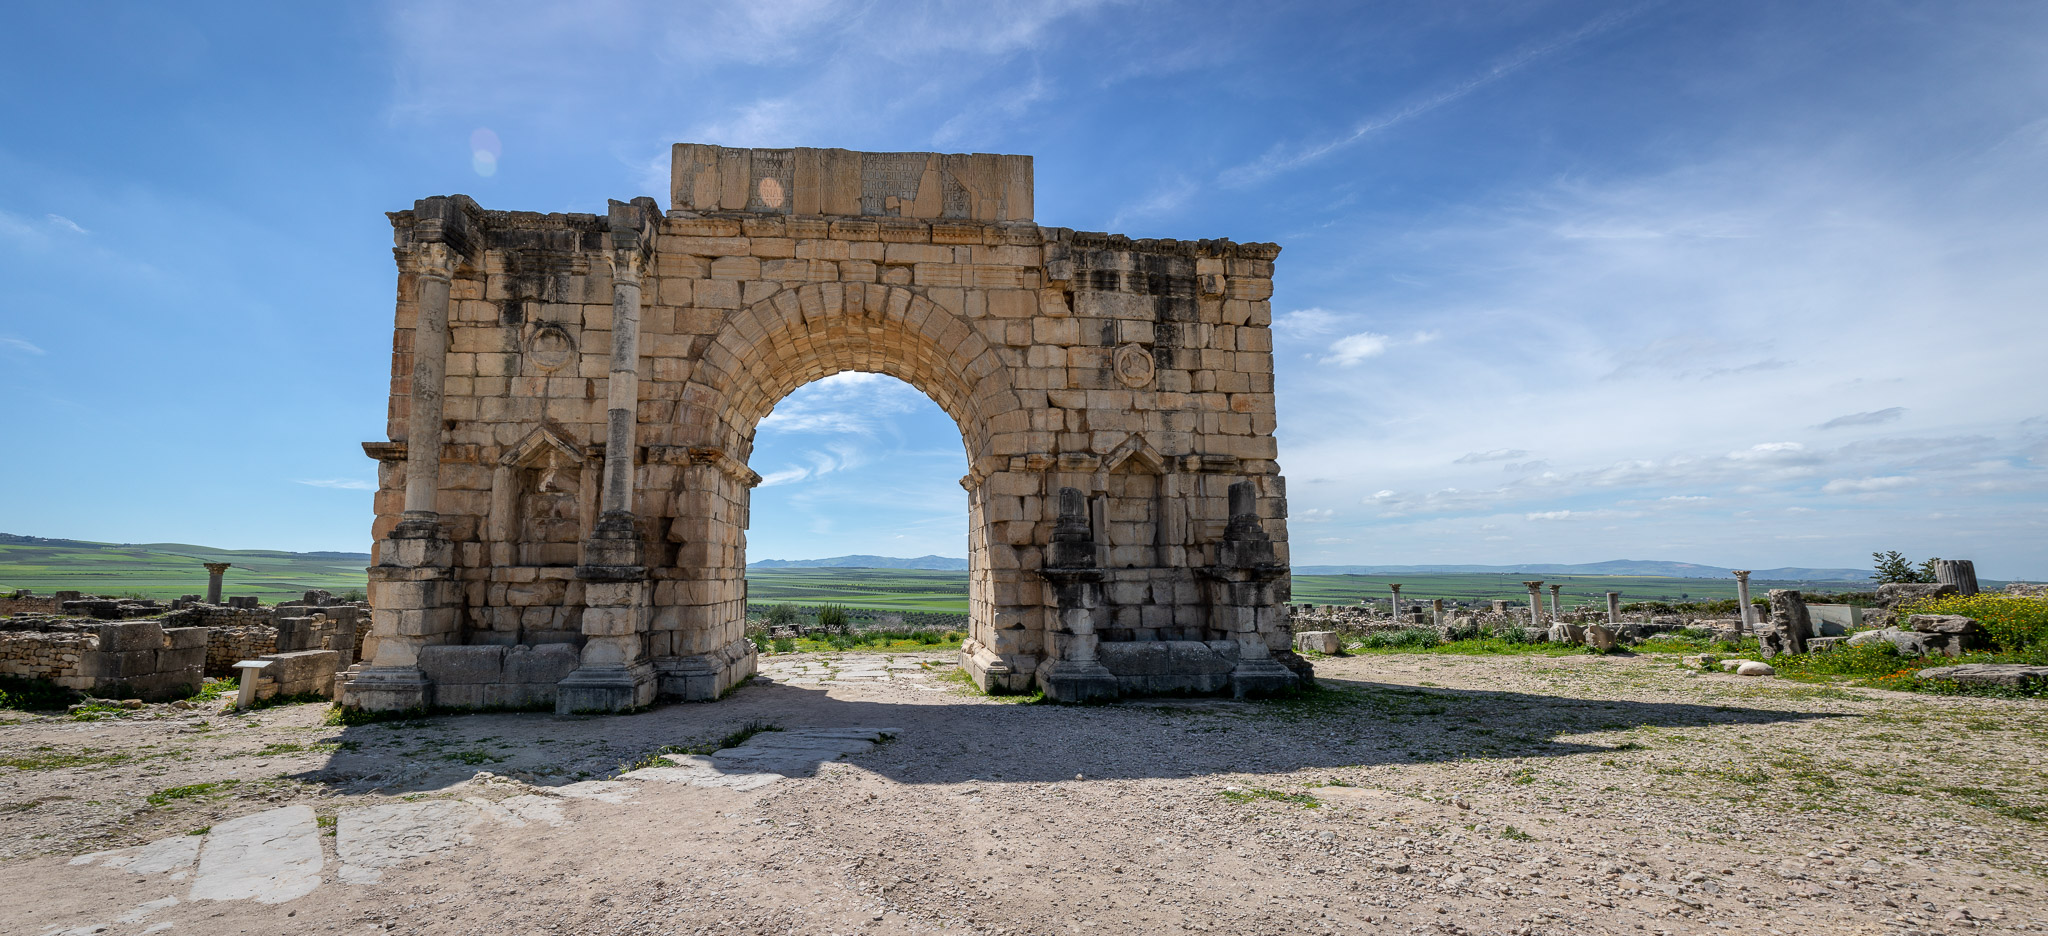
[550, 348]
[1133, 365]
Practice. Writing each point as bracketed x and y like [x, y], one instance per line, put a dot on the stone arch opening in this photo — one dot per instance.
[810, 332]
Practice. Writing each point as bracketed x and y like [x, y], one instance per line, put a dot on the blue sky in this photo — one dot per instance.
[1742, 283]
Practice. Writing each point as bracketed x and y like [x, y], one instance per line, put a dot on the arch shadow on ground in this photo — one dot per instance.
[1345, 723]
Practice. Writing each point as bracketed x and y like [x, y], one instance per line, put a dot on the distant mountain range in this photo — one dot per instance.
[934, 563]
[1612, 567]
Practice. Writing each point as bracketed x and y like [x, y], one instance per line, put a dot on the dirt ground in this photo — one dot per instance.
[1415, 794]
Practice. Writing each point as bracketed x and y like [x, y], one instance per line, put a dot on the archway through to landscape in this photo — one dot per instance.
[806, 334]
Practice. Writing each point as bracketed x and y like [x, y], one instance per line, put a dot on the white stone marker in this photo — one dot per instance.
[245, 687]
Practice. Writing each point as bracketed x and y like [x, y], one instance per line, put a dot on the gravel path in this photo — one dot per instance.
[1419, 793]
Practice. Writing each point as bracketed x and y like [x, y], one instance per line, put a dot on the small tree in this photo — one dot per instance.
[782, 615]
[1894, 568]
[832, 618]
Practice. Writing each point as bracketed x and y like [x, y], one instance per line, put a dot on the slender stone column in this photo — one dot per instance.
[1535, 603]
[1554, 612]
[623, 396]
[1613, 608]
[434, 268]
[1436, 611]
[1742, 600]
[1396, 605]
[616, 674]
[214, 571]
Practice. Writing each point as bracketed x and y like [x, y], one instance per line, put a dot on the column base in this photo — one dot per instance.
[706, 677]
[1257, 678]
[386, 689]
[991, 673]
[1071, 681]
[606, 688]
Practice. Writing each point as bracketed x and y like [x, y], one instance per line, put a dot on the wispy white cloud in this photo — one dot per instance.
[1872, 418]
[22, 345]
[1283, 158]
[1866, 485]
[1473, 458]
[345, 484]
[64, 224]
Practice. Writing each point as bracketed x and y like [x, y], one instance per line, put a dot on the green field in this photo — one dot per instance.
[867, 589]
[168, 570]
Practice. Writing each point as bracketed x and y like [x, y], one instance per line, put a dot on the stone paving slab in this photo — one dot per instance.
[269, 857]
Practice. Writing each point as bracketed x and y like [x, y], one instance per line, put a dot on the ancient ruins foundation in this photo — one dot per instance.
[574, 399]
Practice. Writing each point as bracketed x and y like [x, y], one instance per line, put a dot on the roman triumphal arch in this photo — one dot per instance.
[562, 506]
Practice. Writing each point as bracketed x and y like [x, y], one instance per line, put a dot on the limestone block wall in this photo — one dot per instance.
[231, 644]
[134, 656]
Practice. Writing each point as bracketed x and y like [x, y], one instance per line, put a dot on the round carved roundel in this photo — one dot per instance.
[550, 348]
[1133, 365]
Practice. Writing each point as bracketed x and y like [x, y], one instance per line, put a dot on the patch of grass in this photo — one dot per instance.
[162, 797]
[475, 757]
[202, 830]
[1754, 776]
[297, 698]
[1995, 802]
[214, 690]
[1879, 666]
[1523, 777]
[20, 807]
[966, 683]
[35, 695]
[293, 747]
[48, 758]
[735, 738]
[1258, 794]
[1513, 834]
[96, 710]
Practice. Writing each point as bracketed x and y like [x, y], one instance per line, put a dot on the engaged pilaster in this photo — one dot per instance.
[1072, 672]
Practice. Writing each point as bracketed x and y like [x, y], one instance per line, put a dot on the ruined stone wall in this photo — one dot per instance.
[135, 656]
[27, 604]
[230, 644]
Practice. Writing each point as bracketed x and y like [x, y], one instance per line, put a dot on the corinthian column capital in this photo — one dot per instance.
[434, 259]
[628, 266]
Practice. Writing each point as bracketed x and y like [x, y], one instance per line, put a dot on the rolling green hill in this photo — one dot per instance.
[167, 570]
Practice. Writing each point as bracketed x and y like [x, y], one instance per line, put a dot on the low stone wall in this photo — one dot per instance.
[228, 645]
[138, 657]
[303, 672]
[27, 604]
[496, 676]
[1152, 667]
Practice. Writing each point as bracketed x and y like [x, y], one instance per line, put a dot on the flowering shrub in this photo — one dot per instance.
[2016, 623]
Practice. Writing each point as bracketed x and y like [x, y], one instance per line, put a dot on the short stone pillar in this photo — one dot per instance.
[1436, 613]
[1962, 573]
[1791, 624]
[1535, 603]
[1555, 612]
[214, 572]
[1395, 604]
[1613, 608]
[1748, 611]
[1072, 672]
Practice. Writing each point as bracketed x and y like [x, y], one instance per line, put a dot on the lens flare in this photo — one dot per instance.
[484, 150]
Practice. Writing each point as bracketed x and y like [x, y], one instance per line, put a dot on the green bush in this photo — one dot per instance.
[785, 645]
[782, 615]
[832, 617]
[1405, 637]
[2016, 623]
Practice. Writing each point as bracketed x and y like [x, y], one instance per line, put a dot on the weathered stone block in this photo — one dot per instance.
[463, 664]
